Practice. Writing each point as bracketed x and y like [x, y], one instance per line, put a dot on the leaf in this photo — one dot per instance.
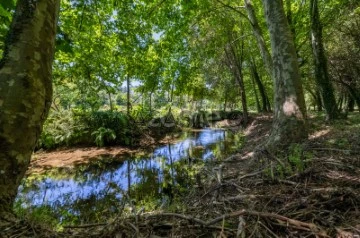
[4, 12]
[8, 4]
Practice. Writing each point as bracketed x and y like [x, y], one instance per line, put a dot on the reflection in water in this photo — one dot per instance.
[94, 191]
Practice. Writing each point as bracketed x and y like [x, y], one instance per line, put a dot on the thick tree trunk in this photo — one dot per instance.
[320, 61]
[25, 90]
[290, 112]
[259, 36]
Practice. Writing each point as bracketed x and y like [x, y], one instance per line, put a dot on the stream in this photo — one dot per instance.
[105, 187]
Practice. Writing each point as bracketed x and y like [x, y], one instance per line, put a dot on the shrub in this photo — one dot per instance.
[115, 122]
[103, 136]
[61, 128]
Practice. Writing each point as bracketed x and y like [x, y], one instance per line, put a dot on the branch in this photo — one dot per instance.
[296, 224]
[86, 225]
[232, 8]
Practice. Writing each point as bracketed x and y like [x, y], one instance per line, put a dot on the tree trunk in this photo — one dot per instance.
[289, 124]
[25, 90]
[260, 86]
[355, 94]
[235, 65]
[264, 51]
[340, 102]
[128, 103]
[351, 104]
[319, 104]
[289, 17]
[320, 62]
[258, 107]
[110, 101]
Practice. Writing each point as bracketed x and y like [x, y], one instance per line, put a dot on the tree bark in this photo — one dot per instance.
[235, 65]
[289, 124]
[259, 36]
[320, 62]
[25, 90]
[258, 107]
[260, 86]
[128, 103]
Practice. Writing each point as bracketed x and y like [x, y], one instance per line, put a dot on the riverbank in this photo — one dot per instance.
[70, 156]
[258, 196]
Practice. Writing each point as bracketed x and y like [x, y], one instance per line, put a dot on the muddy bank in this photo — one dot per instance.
[68, 157]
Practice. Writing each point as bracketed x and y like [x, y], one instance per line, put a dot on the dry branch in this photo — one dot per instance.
[296, 224]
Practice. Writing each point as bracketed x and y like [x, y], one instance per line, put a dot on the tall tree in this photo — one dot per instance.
[320, 63]
[259, 36]
[25, 90]
[290, 112]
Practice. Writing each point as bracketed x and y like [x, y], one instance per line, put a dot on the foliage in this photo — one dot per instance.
[78, 127]
[294, 163]
[103, 136]
[108, 127]
[61, 128]
[173, 53]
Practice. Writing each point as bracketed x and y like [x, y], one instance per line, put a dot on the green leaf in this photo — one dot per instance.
[4, 12]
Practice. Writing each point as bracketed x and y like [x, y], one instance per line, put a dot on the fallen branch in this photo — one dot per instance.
[250, 175]
[292, 222]
[189, 218]
[337, 150]
[86, 225]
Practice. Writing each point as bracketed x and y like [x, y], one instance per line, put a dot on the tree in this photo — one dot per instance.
[25, 90]
[259, 36]
[289, 124]
[320, 63]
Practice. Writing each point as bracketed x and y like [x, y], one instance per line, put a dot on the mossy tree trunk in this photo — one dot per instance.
[289, 112]
[25, 90]
[320, 63]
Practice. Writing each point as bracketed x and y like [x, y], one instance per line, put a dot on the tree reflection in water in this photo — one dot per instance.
[96, 191]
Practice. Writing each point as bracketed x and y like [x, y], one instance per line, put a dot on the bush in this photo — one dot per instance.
[87, 128]
[107, 123]
[103, 136]
[61, 128]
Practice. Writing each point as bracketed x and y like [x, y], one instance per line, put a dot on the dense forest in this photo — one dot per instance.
[179, 118]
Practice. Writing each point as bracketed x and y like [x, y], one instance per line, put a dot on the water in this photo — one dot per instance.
[92, 192]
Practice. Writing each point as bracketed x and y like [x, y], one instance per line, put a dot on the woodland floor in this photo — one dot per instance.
[256, 195]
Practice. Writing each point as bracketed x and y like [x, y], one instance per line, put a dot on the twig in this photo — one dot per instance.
[241, 197]
[337, 150]
[268, 229]
[250, 175]
[294, 223]
[133, 227]
[86, 225]
[191, 219]
[220, 186]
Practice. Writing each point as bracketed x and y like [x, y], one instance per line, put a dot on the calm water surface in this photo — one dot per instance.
[91, 192]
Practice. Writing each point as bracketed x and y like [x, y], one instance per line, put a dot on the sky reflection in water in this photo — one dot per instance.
[113, 179]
